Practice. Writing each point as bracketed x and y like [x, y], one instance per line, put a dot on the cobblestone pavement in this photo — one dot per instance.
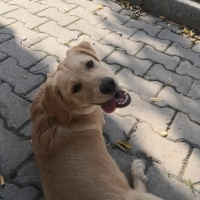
[159, 67]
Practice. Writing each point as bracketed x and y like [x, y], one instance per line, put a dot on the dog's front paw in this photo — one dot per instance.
[137, 170]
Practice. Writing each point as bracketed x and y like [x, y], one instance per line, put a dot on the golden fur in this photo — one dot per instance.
[67, 135]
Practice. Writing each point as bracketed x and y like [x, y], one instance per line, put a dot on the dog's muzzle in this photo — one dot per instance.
[108, 86]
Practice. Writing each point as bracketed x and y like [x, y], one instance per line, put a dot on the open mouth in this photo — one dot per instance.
[119, 100]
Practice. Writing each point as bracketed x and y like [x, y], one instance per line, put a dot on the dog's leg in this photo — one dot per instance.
[138, 176]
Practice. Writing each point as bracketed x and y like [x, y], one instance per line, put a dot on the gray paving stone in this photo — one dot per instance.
[13, 151]
[24, 55]
[192, 169]
[62, 34]
[183, 128]
[151, 30]
[90, 6]
[4, 37]
[3, 56]
[195, 90]
[113, 16]
[4, 21]
[28, 175]
[22, 80]
[170, 154]
[144, 111]
[27, 130]
[159, 73]
[12, 192]
[124, 31]
[15, 110]
[196, 48]
[31, 21]
[126, 12]
[32, 94]
[61, 18]
[24, 35]
[112, 5]
[60, 5]
[46, 66]
[162, 184]
[115, 126]
[168, 35]
[185, 68]
[180, 102]
[6, 7]
[83, 13]
[112, 68]
[150, 19]
[158, 44]
[187, 54]
[121, 58]
[31, 6]
[48, 45]
[139, 85]
[86, 28]
[115, 40]
[101, 49]
[167, 25]
[148, 52]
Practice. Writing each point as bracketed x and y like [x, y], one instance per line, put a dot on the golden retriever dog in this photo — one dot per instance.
[69, 148]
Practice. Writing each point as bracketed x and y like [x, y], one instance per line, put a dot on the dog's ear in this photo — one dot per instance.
[86, 48]
[52, 103]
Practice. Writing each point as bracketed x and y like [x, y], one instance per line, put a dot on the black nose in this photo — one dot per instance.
[107, 86]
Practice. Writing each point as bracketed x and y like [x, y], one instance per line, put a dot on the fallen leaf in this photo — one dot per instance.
[125, 144]
[155, 99]
[185, 30]
[169, 80]
[100, 7]
[161, 17]
[67, 43]
[66, 10]
[163, 133]
[120, 147]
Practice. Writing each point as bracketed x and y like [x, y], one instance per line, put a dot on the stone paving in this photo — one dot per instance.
[159, 67]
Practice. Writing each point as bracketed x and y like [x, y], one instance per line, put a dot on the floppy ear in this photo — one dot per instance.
[86, 48]
[52, 103]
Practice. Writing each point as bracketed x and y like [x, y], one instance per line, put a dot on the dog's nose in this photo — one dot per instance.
[107, 86]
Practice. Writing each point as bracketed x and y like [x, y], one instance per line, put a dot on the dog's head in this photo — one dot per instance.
[79, 84]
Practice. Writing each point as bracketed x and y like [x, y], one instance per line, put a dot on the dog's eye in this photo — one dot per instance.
[77, 88]
[89, 64]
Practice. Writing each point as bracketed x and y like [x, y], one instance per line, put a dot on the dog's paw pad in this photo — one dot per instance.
[137, 169]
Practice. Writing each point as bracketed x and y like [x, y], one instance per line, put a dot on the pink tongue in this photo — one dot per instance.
[109, 106]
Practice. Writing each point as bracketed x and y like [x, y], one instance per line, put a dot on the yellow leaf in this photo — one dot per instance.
[100, 7]
[185, 30]
[119, 146]
[125, 144]
[161, 17]
[163, 133]
[155, 99]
